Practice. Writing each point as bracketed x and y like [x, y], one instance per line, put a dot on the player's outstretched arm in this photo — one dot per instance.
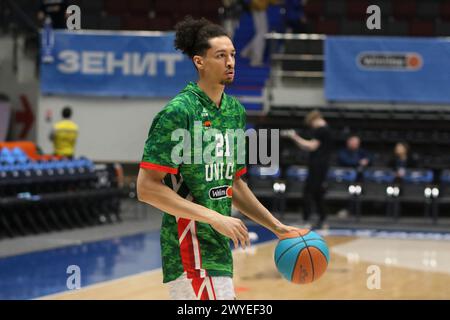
[247, 203]
[151, 190]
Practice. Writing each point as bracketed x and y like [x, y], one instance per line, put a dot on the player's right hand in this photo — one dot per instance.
[234, 229]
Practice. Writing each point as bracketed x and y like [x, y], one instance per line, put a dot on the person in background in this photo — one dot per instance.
[64, 135]
[232, 14]
[402, 159]
[296, 21]
[353, 155]
[254, 50]
[319, 148]
[56, 10]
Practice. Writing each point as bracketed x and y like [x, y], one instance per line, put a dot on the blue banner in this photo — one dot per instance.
[113, 64]
[385, 69]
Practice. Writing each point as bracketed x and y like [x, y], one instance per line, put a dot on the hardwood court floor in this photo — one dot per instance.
[408, 271]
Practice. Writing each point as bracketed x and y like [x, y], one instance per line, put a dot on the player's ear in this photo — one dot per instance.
[198, 61]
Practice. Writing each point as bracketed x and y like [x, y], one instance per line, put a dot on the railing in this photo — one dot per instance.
[22, 27]
[292, 56]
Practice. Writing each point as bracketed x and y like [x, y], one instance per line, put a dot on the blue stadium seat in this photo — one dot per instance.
[295, 181]
[414, 185]
[379, 187]
[261, 180]
[338, 181]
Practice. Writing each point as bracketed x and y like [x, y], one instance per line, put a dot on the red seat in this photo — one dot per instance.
[314, 8]
[327, 26]
[211, 8]
[192, 8]
[161, 23]
[136, 22]
[357, 9]
[166, 6]
[116, 7]
[404, 9]
[139, 6]
[445, 10]
[421, 28]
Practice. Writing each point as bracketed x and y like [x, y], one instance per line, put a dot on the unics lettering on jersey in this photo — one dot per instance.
[218, 171]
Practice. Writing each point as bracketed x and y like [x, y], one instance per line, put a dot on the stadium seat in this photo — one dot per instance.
[210, 10]
[165, 7]
[384, 5]
[404, 9]
[192, 8]
[110, 22]
[428, 9]
[261, 180]
[314, 9]
[445, 10]
[295, 181]
[379, 187]
[353, 27]
[421, 28]
[142, 7]
[442, 28]
[327, 26]
[266, 184]
[161, 23]
[92, 6]
[444, 187]
[116, 7]
[356, 10]
[136, 22]
[413, 188]
[338, 182]
[397, 28]
[335, 8]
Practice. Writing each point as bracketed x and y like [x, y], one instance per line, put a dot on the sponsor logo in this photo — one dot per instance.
[220, 192]
[390, 61]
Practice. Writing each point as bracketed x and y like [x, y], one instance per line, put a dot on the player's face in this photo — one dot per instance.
[219, 61]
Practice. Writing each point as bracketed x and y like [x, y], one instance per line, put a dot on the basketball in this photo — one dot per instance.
[302, 256]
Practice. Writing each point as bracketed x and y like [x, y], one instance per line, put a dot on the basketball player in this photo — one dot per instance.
[197, 198]
[319, 148]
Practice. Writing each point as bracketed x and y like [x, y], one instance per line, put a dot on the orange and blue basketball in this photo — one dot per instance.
[302, 256]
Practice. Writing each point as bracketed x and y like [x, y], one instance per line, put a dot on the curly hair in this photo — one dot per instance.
[192, 35]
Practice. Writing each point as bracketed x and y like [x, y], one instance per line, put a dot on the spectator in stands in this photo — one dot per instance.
[232, 15]
[64, 135]
[402, 159]
[353, 155]
[254, 50]
[56, 10]
[296, 21]
[319, 148]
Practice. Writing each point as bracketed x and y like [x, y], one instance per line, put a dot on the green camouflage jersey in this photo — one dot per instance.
[186, 245]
